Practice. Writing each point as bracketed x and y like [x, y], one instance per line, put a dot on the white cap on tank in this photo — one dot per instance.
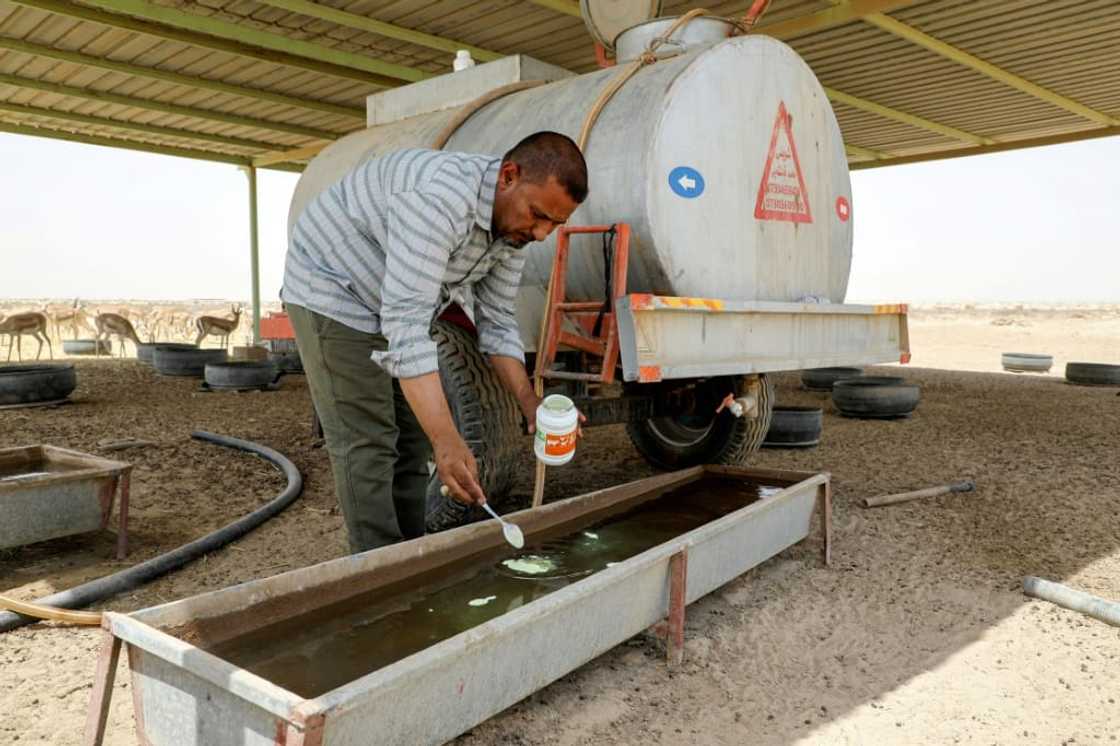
[463, 60]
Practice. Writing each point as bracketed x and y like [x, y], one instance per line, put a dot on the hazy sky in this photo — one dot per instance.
[1039, 225]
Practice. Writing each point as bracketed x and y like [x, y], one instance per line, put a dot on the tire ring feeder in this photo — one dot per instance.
[145, 351]
[288, 361]
[821, 379]
[87, 347]
[169, 361]
[241, 375]
[1093, 374]
[37, 383]
[794, 427]
[876, 397]
[1025, 362]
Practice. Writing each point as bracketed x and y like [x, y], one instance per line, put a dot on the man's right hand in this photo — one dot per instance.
[458, 470]
[454, 461]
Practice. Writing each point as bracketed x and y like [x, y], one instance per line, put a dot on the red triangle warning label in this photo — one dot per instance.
[782, 194]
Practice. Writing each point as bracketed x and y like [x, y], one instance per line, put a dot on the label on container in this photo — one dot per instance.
[559, 445]
[782, 194]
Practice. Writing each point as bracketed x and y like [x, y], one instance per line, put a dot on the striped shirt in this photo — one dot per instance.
[383, 249]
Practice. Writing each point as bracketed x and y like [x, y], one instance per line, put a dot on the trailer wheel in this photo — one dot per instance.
[689, 440]
[486, 415]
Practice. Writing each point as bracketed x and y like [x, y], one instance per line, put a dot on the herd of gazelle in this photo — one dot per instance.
[107, 325]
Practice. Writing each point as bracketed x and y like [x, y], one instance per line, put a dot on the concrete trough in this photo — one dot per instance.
[48, 492]
[187, 696]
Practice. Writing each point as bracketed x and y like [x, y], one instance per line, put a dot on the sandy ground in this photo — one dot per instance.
[918, 634]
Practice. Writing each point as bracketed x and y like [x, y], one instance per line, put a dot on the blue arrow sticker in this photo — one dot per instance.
[686, 182]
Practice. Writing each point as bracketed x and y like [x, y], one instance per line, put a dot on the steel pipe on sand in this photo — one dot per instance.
[1068, 598]
[902, 497]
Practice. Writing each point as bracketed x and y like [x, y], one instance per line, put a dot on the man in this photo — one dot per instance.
[372, 261]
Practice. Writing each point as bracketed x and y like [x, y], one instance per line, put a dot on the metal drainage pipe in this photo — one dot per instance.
[125, 580]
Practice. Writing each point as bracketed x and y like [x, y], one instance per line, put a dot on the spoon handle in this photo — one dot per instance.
[488, 509]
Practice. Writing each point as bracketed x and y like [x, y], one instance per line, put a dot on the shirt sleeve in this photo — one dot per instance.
[421, 233]
[495, 297]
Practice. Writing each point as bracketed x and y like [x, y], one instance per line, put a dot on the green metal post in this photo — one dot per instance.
[254, 253]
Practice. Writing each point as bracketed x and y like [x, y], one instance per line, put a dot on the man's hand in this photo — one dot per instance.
[513, 376]
[454, 461]
[458, 470]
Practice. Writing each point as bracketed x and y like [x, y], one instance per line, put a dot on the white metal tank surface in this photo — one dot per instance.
[727, 161]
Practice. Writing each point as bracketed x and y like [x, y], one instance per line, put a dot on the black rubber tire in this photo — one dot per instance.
[675, 443]
[1093, 374]
[794, 427]
[241, 374]
[485, 414]
[38, 382]
[288, 362]
[145, 350]
[86, 347]
[821, 379]
[171, 361]
[1026, 362]
[868, 399]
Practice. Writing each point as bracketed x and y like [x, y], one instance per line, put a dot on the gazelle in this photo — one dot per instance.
[33, 323]
[74, 315]
[113, 324]
[218, 326]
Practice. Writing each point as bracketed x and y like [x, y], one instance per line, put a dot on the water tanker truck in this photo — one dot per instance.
[723, 157]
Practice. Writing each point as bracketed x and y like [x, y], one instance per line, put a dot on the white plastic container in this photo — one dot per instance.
[557, 424]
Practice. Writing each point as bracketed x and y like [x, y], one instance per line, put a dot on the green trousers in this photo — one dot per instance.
[379, 453]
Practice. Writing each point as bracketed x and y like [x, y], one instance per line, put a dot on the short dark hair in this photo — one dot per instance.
[545, 154]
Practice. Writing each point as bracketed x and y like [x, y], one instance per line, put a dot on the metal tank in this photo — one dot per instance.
[726, 161]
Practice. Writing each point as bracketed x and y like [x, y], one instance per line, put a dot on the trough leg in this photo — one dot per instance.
[122, 529]
[824, 497]
[674, 633]
[98, 714]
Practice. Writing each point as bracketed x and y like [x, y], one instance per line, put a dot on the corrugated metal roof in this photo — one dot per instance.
[187, 75]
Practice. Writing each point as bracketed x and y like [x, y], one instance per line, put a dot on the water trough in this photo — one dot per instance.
[187, 691]
[48, 492]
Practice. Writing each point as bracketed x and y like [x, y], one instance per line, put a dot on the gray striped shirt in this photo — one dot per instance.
[382, 250]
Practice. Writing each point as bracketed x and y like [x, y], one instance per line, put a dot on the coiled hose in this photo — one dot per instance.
[97, 590]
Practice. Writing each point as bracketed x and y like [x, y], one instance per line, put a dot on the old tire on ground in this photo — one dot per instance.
[1025, 362]
[1093, 374]
[86, 346]
[794, 427]
[33, 383]
[485, 414]
[288, 362]
[145, 351]
[173, 361]
[886, 398]
[684, 441]
[240, 374]
[821, 379]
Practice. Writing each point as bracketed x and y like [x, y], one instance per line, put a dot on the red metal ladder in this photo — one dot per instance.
[585, 316]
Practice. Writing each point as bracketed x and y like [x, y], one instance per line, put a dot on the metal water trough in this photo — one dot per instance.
[48, 492]
[186, 696]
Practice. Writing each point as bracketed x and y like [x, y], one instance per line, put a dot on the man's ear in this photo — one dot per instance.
[509, 174]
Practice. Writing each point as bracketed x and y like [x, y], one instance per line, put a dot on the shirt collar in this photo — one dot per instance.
[484, 213]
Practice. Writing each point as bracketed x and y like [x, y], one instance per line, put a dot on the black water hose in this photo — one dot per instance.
[125, 580]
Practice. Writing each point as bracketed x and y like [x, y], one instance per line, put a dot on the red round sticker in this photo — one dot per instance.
[843, 209]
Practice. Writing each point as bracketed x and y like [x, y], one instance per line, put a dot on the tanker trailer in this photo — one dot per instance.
[725, 160]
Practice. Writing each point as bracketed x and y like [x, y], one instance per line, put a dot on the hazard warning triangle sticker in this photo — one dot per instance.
[782, 194]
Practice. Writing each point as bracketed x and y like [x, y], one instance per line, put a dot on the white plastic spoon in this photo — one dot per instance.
[512, 533]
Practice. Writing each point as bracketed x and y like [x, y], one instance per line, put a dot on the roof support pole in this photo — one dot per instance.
[254, 253]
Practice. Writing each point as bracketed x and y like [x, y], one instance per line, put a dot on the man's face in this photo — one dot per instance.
[524, 211]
